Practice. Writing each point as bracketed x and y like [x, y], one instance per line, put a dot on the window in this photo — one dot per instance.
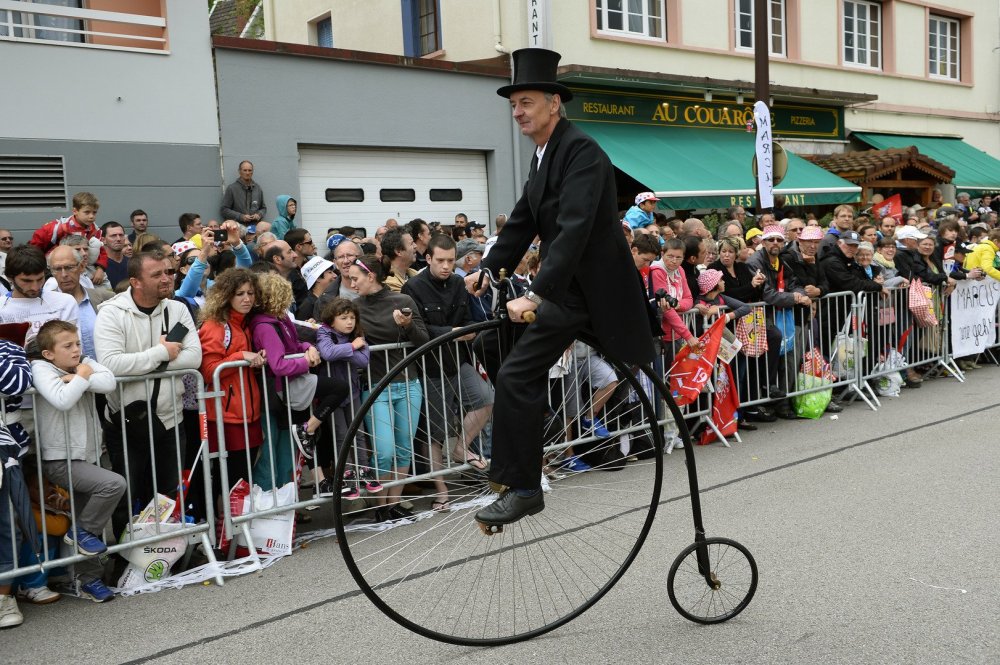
[446, 195]
[32, 182]
[32, 25]
[640, 18]
[775, 18]
[397, 195]
[944, 38]
[863, 33]
[345, 195]
[324, 32]
[421, 27]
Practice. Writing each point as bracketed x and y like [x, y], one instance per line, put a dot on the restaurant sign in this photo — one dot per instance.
[788, 120]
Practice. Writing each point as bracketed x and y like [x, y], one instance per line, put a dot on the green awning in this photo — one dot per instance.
[976, 172]
[692, 168]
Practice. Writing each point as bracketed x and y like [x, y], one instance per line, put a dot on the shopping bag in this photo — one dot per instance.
[814, 364]
[751, 331]
[271, 534]
[890, 383]
[784, 320]
[151, 562]
[811, 404]
[844, 356]
[921, 304]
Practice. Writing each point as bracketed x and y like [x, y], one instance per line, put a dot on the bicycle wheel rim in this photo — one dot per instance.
[690, 593]
[442, 578]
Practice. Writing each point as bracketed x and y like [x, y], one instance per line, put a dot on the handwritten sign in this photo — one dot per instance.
[974, 316]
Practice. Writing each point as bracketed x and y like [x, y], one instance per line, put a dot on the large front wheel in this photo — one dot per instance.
[436, 573]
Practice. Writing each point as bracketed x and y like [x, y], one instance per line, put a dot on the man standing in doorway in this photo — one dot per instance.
[570, 203]
[244, 199]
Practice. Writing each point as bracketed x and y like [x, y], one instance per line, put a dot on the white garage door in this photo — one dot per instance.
[365, 187]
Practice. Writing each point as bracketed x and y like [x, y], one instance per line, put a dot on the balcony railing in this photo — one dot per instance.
[87, 28]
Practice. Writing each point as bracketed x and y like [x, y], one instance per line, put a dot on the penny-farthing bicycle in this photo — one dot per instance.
[439, 575]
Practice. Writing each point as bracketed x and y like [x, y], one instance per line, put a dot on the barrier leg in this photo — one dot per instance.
[206, 545]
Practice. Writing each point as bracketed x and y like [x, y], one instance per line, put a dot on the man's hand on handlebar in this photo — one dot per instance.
[518, 307]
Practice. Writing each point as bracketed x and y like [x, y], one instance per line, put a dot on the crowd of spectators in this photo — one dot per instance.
[94, 307]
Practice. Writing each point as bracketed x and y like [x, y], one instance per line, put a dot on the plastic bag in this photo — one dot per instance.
[812, 404]
[271, 534]
[889, 384]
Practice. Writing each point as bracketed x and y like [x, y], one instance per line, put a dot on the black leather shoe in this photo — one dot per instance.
[397, 512]
[774, 392]
[744, 426]
[833, 407]
[786, 412]
[760, 415]
[511, 507]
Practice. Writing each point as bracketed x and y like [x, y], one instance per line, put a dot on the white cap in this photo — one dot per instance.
[313, 268]
[909, 233]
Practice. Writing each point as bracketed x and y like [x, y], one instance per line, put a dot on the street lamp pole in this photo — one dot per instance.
[761, 49]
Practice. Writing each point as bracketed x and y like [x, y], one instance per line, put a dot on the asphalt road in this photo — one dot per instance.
[875, 535]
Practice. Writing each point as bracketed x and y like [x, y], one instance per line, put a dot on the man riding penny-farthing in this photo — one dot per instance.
[541, 542]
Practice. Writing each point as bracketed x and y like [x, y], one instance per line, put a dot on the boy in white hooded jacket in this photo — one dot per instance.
[69, 431]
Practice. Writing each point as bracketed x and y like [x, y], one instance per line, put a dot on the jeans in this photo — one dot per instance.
[392, 423]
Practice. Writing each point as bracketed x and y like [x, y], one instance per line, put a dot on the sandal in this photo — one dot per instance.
[473, 460]
[439, 505]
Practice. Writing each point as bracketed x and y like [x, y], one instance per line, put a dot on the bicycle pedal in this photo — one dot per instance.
[490, 529]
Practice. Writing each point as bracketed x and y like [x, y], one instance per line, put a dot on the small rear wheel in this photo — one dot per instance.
[712, 581]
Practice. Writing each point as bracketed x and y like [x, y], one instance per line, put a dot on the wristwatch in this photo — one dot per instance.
[533, 297]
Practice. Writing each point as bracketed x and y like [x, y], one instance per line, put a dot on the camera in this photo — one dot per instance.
[661, 294]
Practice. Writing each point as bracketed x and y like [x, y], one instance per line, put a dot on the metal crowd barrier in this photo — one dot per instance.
[876, 331]
[168, 466]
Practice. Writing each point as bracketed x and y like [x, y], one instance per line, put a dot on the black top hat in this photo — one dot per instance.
[535, 69]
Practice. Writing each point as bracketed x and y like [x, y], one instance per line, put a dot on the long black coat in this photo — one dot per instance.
[571, 204]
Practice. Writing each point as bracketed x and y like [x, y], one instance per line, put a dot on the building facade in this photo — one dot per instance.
[114, 97]
[844, 73]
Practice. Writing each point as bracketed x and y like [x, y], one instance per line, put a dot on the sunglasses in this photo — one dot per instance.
[774, 240]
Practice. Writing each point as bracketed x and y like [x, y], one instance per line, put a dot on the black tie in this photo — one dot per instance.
[534, 167]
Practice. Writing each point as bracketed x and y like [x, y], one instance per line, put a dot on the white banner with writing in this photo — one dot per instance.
[974, 316]
[765, 156]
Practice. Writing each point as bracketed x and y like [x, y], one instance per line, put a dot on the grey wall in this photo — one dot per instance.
[91, 94]
[162, 179]
[270, 104]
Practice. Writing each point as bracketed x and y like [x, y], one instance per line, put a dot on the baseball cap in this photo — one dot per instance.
[909, 233]
[334, 240]
[850, 238]
[753, 233]
[313, 268]
[645, 196]
[467, 246]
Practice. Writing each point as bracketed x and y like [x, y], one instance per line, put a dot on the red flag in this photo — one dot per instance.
[891, 207]
[691, 371]
[724, 406]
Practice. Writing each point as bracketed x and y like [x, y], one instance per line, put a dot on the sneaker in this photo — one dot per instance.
[349, 490]
[596, 426]
[370, 480]
[398, 512]
[96, 590]
[86, 542]
[304, 440]
[10, 615]
[39, 595]
[324, 488]
[576, 465]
